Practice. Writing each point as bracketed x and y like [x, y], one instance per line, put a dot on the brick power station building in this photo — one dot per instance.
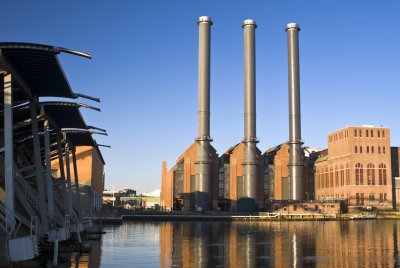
[357, 168]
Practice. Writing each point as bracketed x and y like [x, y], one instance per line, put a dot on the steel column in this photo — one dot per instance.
[9, 150]
[250, 140]
[203, 163]
[38, 168]
[78, 195]
[68, 169]
[49, 179]
[295, 165]
[62, 174]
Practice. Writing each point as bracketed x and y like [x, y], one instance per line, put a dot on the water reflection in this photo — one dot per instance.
[373, 243]
[279, 244]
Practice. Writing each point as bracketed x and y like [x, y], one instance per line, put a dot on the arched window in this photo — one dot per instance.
[326, 174]
[382, 174]
[360, 149]
[359, 174]
[341, 175]
[336, 176]
[318, 178]
[331, 177]
[371, 174]
[347, 174]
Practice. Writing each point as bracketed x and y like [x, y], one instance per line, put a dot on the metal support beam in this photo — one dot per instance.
[78, 194]
[39, 169]
[9, 150]
[68, 169]
[49, 179]
[62, 174]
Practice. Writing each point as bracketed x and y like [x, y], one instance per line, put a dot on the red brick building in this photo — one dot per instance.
[357, 168]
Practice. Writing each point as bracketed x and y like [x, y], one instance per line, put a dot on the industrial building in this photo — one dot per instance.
[357, 168]
[238, 181]
[35, 203]
[178, 183]
[91, 176]
[231, 181]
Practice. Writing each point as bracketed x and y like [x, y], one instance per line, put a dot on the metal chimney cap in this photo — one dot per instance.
[205, 19]
[292, 25]
[249, 22]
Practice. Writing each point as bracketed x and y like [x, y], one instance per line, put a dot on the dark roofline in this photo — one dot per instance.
[33, 46]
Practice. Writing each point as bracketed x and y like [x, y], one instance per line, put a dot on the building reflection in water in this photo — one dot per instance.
[90, 259]
[279, 244]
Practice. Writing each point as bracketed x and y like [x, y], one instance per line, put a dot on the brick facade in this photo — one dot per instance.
[357, 168]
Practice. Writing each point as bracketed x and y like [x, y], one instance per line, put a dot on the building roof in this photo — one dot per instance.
[274, 150]
[37, 72]
[58, 111]
[321, 159]
[232, 148]
[36, 69]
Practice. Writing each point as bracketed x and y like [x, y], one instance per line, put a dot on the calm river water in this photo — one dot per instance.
[369, 243]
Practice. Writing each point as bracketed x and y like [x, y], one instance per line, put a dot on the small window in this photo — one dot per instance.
[372, 149]
[367, 148]
[360, 133]
[383, 133]
[379, 133]
[384, 149]
[355, 133]
[294, 207]
[372, 133]
[379, 149]
[360, 149]
[371, 197]
[355, 149]
[366, 133]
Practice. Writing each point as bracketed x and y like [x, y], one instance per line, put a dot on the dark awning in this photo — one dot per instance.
[36, 68]
[80, 137]
[65, 114]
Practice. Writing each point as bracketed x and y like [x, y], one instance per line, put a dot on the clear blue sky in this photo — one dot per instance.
[144, 69]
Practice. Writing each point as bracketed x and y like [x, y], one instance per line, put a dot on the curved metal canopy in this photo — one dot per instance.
[36, 68]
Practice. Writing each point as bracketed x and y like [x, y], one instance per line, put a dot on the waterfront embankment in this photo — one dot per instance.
[171, 216]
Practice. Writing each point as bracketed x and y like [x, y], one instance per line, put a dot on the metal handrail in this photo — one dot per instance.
[29, 192]
[4, 213]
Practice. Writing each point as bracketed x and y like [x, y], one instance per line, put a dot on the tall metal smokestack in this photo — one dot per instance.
[295, 158]
[250, 140]
[203, 163]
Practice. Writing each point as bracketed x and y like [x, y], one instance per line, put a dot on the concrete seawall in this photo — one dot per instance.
[110, 219]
